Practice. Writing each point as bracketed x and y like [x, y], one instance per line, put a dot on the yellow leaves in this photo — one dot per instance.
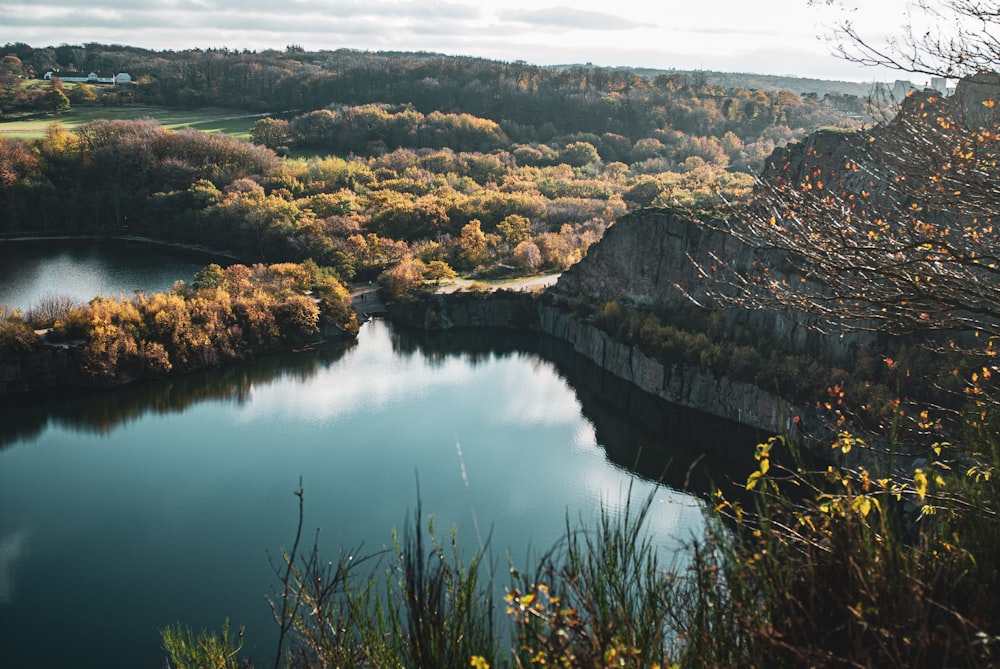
[989, 104]
[846, 442]
[763, 449]
[479, 662]
[920, 483]
[863, 505]
[763, 455]
[979, 473]
[724, 505]
[939, 446]
[866, 480]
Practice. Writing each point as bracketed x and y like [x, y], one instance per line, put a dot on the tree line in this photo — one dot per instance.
[529, 101]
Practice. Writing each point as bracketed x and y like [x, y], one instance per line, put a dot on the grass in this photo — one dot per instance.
[212, 119]
[825, 569]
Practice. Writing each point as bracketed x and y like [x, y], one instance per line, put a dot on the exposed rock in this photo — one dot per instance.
[649, 258]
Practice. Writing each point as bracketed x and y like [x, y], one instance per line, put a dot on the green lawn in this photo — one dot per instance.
[228, 121]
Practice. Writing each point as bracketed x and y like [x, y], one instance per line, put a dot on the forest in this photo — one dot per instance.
[363, 159]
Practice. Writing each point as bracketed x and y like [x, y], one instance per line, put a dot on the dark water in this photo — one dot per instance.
[124, 512]
[83, 268]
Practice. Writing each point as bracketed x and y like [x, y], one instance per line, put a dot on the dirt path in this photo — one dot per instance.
[366, 300]
[368, 303]
[529, 283]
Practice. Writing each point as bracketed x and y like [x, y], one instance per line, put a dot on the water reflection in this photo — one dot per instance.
[686, 449]
[162, 500]
[100, 412]
[12, 549]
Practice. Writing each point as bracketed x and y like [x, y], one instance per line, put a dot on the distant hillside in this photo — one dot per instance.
[764, 82]
[795, 84]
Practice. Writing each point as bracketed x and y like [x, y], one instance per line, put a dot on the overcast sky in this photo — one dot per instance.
[769, 36]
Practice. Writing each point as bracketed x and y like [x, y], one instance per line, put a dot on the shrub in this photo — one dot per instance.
[17, 336]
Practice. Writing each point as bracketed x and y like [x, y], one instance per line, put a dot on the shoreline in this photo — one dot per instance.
[139, 239]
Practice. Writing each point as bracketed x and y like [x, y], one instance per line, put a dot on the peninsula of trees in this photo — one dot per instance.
[225, 315]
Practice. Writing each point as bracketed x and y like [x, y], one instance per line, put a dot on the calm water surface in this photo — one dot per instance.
[83, 268]
[127, 511]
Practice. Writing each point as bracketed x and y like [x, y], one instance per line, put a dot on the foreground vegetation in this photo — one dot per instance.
[847, 567]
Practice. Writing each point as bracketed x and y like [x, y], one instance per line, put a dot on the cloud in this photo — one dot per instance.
[569, 18]
[261, 22]
[726, 34]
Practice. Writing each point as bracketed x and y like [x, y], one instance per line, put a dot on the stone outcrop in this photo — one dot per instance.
[651, 258]
[45, 368]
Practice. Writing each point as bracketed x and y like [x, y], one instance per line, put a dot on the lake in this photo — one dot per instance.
[126, 511]
[83, 268]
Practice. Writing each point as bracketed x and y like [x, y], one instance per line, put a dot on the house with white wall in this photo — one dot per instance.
[90, 78]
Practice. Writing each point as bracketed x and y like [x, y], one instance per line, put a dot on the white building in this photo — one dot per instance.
[91, 78]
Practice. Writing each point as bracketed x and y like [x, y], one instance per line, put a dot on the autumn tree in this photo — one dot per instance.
[56, 101]
[578, 154]
[514, 229]
[270, 132]
[403, 278]
[527, 256]
[472, 245]
[438, 271]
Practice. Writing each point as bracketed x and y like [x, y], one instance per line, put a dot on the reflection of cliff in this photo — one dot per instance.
[639, 431]
[101, 411]
[685, 385]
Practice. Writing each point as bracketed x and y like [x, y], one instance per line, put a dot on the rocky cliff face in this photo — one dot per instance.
[651, 258]
[645, 258]
[686, 386]
[46, 368]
